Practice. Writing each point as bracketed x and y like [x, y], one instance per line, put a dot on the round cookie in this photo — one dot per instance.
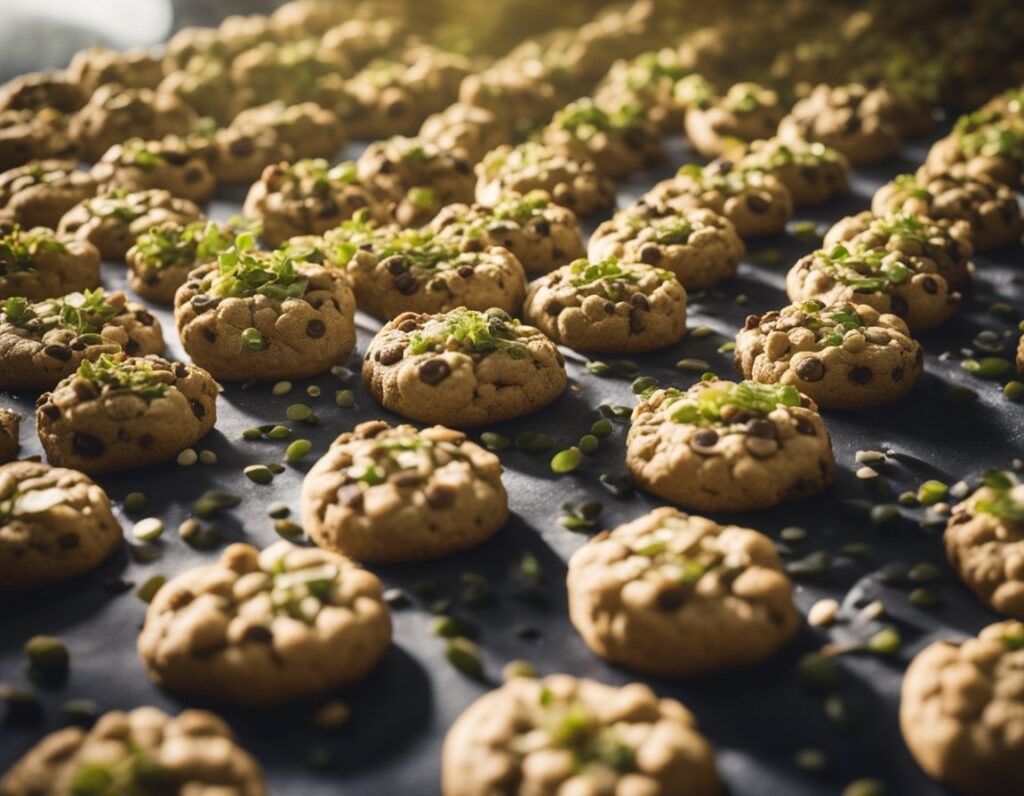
[169, 164]
[697, 245]
[44, 341]
[307, 197]
[265, 315]
[608, 305]
[27, 135]
[193, 753]
[987, 143]
[240, 154]
[114, 114]
[414, 177]
[37, 264]
[812, 172]
[204, 84]
[541, 234]
[846, 118]
[393, 271]
[574, 736]
[384, 493]
[257, 627]
[647, 83]
[286, 72]
[465, 130]
[54, 524]
[309, 129]
[890, 281]
[960, 709]
[99, 66]
[38, 90]
[114, 218]
[947, 243]
[39, 194]
[756, 203]
[118, 413]
[674, 595]
[746, 112]
[722, 446]
[990, 208]
[462, 368]
[840, 356]
[985, 543]
[364, 39]
[619, 143]
[532, 166]
[10, 425]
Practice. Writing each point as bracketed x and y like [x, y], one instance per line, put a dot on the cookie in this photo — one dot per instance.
[256, 627]
[114, 114]
[541, 234]
[722, 446]
[393, 271]
[35, 91]
[265, 315]
[42, 342]
[812, 172]
[39, 194]
[568, 735]
[946, 242]
[890, 281]
[204, 84]
[307, 197]
[846, 118]
[647, 83]
[534, 166]
[27, 135]
[987, 143]
[169, 164]
[466, 131]
[840, 355]
[990, 208]
[619, 143]
[414, 177]
[384, 493]
[191, 753]
[756, 203]
[162, 258]
[522, 102]
[118, 413]
[985, 543]
[99, 66]
[697, 245]
[54, 524]
[37, 264]
[960, 706]
[609, 306]
[674, 595]
[309, 129]
[10, 424]
[286, 71]
[362, 40]
[462, 368]
[746, 112]
[240, 154]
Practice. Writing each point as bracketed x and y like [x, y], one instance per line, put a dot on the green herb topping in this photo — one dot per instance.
[865, 270]
[830, 322]
[244, 271]
[608, 276]
[138, 375]
[194, 244]
[704, 407]
[478, 332]
[680, 554]
[120, 204]
[83, 313]
[19, 248]
[989, 134]
[138, 152]
[405, 459]
[1007, 501]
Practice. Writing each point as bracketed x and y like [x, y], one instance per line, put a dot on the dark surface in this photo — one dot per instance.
[757, 719]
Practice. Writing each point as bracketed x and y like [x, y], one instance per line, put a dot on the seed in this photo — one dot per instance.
[886, 641]
[987, 368]
[959, 490]
[279, 432]
[924, 572]
[643, 384]
[313, 391]
[476, 590]
[345, 399]
[869, 457]
[445, 627]
[1001, 308]
[189, 528]
[82, 712]
[823, 613]
[396, 598]
[213, 501]
[819, 672]
[207, 457]
[298, 450]
[865, 787]
[1014, 391]
[494, 441]
[812, 567]
[884, 514]
[923, 598]
[588, 444]
[148, 529]
[811, 759]
[598, 368]
[518, 668]
[259, 473]
[836, 710]
[701, 331]
[331, 715]
[531, 442]
[464, 656]
[566, 461]
[742, 300]
[48, 656]
[908, 499]
[134, 502]
[931, 492]
[872, 611]
[188, 457]
[696, 365]
[147, 591]
[793, 534]
[252, 434]
[298, 412]
[282, 388]
[22, 705]
[341, 372]
[253, 339]
[278, 510]
[287, 529]
[958, 395]
[725, 348]
[602, 428]
[624, 367]
[614, 410]
[618, 485]
[866, 473]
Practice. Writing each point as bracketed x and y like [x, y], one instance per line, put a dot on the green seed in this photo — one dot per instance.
[618, 485]
[924, 598]
[148, 529]
[134, 502]
[865, 787]
[531, 442]
[445, 627]
[147, 591]
[252, 434]
[908, 499]
[494, 441]
[298, 413]
[602, 428]
[188, 457]
[836, 710]
[811, 759]
[987, 368]
[345, 399]
[958, 395]
[278, 510]
[599, 368]
[793, 534]
[82, 712]
[47, 655]
[259, 473]
[341, 372]
[464, 656]
[298, 450]
[282, 388]
[924, 572]
[288, 529]
[819, 672]
[643, 384]
[253, 339]
[696, 365]
[767, 257]
[213, 501]
[701, 331]
[189, 529]
[207, 457]
[476, 589]
[588, 444]
[884, 514]
[1001, 308]
[931, 492]
[518, 668]
[1014, 391]
[886, 641]
[813, 566]
[313, 391]
[726, 348]
[566, 461]
[742, 300]
[279, 432]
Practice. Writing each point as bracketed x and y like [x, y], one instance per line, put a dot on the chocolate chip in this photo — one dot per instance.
[355, 201]
[899, 305]
[810, 369]
[650, 254]
[315, 329]
[554, 307]
[198, 409]
[439, 496]
[465, 271]
[434, 371]
[193, 175]
[180, 370]
[757, 203]
[861, 375]
[405, 284]
[395, 264]
[146, 441]
[461, 166]
[759, 427]
[58, 352]
[241, 147]
[202, 302]
[391, 354]
[50, 410]
[930, 285]
[143, 317]
[897, 374]
[68, 540]
[704, 440]
[408, 326]
[542, 227]
[351, 496]
[329, 209]
[132, 347]
[671, 597]
[805, 426]
[87, 446]
[209, 334]
[395, 109]
[637, 323]
[752, 322]
[641, 302]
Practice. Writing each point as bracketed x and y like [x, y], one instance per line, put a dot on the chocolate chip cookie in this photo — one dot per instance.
[746, 112]
[170, 164]
[812, 172]
[38, 263]
[40, 193]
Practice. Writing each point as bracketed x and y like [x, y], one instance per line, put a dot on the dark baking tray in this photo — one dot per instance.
[757, 719]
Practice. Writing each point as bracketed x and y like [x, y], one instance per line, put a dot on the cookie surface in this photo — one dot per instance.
[839, 355]
[54, 524]
[169, 164]
[746, 112]
[462, 368]
[608, 306]
[40, 193]
[812, 172]
[256, 627]
[37, 264]
[568, 735]
[385, 493]
[986, 142]
[193, 752]
[721, 446]
[670, 594]
[959, 705]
